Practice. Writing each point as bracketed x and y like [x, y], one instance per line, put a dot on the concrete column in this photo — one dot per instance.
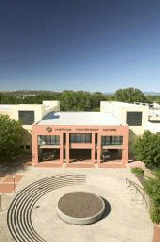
[125, 150]
[125, 146]
[67, 148]
[125, 156]
[93, 148]
[98, 148]
[34, 146]
[61, 148]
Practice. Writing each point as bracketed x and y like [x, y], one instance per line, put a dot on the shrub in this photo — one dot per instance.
[152, 188]
[147, 149]
[137, 171]
[155, 214]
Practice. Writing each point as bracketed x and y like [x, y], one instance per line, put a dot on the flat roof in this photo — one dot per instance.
[123, 104]
[152, 127]
[79, 118]
[10, 106]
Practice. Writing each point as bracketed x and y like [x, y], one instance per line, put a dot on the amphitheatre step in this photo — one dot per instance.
[20, 212]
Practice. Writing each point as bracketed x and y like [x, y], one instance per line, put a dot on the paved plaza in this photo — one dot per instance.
[126, 218]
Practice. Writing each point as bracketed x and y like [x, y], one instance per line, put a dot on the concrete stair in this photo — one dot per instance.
[136, 197]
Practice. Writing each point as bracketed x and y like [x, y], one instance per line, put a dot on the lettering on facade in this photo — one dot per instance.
[63, 129]
[109, 129]
[49, 129]
[87, 129]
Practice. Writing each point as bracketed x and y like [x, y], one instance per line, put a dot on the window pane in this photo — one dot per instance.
[41, 139]
[134, 118]
[103, 140]
[113, 140]
[82, 138]
[88, 138]
[53, 140]
[78, 138]
[57, 139]
[27, 117]
[47, 139]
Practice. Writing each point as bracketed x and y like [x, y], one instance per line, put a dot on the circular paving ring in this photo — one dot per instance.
[19, 216]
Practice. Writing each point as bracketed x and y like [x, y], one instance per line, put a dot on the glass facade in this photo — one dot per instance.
[49, 139]
[80, 138]
[112, 140]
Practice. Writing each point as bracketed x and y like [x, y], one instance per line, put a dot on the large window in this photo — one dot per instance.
[112, 140]
[134, 118]
[80, 138]
[27, 117]
[49, 139]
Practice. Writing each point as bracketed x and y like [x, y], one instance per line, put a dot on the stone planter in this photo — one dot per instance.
[80, 208]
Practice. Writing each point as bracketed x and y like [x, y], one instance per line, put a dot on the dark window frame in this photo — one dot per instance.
[81, 138]
[112, 140]
[50, 139]
[134, 118]
[26, 119]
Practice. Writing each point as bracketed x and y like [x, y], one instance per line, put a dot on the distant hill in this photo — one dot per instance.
[152, 93]
[36, 92]
[28, 92]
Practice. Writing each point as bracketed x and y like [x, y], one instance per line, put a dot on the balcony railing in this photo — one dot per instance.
[112, 143]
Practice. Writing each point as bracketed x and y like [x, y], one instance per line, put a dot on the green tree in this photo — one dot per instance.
[95, 100]
[147, 149]
[11, 136]
[9, 99]
[75, 101]
[130, 95]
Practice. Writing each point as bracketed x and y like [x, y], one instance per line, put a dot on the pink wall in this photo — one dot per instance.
[60, 130]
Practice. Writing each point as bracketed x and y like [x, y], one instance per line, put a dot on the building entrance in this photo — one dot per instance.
[49, 154]
[80, 154]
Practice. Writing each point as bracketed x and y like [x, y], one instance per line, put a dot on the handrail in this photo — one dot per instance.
[140, 189]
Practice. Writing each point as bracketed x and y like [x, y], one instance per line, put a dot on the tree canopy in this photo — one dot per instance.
[11, 136]
[81, 101]
[147, 149]
[76, 100]
[130, 95]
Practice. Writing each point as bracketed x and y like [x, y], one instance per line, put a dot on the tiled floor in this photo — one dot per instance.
[81, 164]
[49, 164]
[156, 233]
[8, 183]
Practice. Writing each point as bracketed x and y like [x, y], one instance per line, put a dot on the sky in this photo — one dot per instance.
[90, 45]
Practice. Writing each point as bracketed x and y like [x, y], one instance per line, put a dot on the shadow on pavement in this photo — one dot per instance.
[107, 209]
[18, 164]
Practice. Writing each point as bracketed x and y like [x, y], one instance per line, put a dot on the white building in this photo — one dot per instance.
[139, 118]
[29, 113]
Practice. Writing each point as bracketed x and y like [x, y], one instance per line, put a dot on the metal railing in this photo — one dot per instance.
[140, 190]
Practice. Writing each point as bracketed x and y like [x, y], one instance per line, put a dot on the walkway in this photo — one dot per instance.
[9, 183]
[126, 222]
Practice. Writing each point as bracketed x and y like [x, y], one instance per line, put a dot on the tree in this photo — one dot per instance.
[96, 98]
[130, 95]
[11, 136]
[75, 101]
[147, 149]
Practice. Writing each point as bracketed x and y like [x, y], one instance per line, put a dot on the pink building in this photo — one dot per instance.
[76, 139]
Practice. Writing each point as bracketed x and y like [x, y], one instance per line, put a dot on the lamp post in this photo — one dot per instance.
[0, 203]
[14, 183]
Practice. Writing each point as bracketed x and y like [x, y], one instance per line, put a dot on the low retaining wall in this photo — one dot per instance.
[156, 235]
